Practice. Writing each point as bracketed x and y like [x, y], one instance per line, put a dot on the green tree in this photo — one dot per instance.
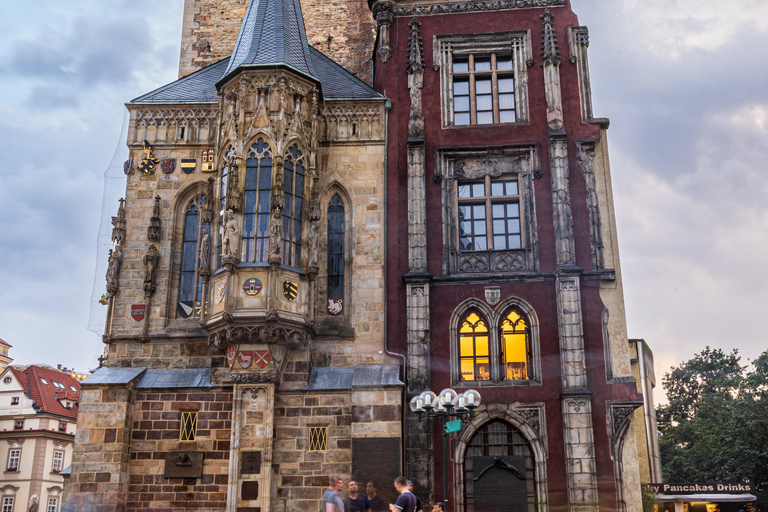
[715, 426]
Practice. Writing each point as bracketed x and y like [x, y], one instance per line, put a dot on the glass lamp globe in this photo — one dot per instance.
[447, 398]
[415, 405]
[428, 400]
[471, 398]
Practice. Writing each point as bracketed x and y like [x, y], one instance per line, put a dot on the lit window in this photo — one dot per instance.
[14, 400]
[58, 461]
[8, 504]
[258, 186]
[318, 439]
[188, 431]
[474, 348]
[483, 89]
[14, 457]
[515, 347]
[489, 215]
[336, 248]
[53, 505]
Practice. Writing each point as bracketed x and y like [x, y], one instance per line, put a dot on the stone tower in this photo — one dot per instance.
[342, 29]
[245, 351]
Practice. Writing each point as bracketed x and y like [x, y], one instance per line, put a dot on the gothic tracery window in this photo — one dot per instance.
[294, 205]
[258, 186]
[474, 347]
[336, 248]
[191, 282]
[515, 346]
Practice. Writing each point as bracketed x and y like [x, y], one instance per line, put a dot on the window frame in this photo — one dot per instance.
[7, 504]
[53, 504]
[337, 209]
[197, 203]
[516, 44]
[294, 161]
[60, 460]
[255, 249]
[188, 432]
[488, 200]
[494, 320]
[472, 75]
[11, 458]
[18, 424]
[15, 400]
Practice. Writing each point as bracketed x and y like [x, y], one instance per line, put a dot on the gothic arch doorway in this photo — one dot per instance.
[497, 438]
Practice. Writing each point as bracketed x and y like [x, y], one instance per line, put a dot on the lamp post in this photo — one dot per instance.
[448, 404]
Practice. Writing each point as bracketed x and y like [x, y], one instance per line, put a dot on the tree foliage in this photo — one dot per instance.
[715, 426]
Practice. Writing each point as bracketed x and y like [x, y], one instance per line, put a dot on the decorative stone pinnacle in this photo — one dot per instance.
[415, 49]
[549, 51]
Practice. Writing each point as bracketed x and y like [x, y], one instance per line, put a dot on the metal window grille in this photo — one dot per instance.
[318, 438]
[188, 426]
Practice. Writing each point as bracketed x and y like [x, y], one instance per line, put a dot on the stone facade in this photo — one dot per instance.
[342, 29]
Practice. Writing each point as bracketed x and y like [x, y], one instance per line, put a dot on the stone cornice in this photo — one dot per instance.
[468, 6]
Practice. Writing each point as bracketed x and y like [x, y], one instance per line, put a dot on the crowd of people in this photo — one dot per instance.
[371, 501]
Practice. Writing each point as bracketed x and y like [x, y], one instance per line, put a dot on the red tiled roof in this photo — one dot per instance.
[3, 342]
[45, 395]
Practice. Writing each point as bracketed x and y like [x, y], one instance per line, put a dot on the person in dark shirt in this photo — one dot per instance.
[406, 502]
[377, 502]
[355, 502]
[410, 489]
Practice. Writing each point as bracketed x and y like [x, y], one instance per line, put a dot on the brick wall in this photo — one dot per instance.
[210, 30]
[156, 432]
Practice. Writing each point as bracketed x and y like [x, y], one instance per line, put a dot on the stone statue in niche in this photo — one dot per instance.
[205, 250]
[150, 264]
[34, 503]
[230, 236]
[314, 244]
[275, 234]
[113, 269]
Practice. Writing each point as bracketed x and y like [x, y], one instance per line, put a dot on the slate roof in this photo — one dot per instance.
[200, 87]
[272, 33]
[45, 395]
[151, 379]
[362, 375]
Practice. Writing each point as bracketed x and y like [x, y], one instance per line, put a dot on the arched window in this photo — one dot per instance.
[191, 282]
[294, 205]
[336, 248]
[258, 185]
[474, 347]
[498, 438]
[516, 354]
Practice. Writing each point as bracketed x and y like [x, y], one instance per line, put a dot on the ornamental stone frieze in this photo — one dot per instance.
[290, 337]
[344, 122]
[172, 126]
[423, 9]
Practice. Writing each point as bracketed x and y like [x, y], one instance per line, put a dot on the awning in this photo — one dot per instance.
[711, 498]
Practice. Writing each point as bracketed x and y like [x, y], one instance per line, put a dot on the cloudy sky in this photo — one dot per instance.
[684, 82]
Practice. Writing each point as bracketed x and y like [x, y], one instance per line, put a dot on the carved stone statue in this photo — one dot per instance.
[150, 264]
[34, 503]
[230, 236]
[275, 234]
[113, 269]
[314, 244]
[205, 250]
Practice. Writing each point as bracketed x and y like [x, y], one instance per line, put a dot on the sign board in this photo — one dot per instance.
[452, 426]
[698, 488]
[377, 460]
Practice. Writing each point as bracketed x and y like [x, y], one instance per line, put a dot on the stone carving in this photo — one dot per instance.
[268, 377]
[551, 64]
[571, 333]
[314, 244]
[383, 13]
[269, 334]
[113, 270]
[277, 202]
[151, 260]
[118, 224]
[561, 200]
[197, 125]
[205, 251]
[233, 188]
[585, 153]
[230, 237]
[230, 118]
[473, 6]
[417, 237]
[34, 503]
[580, 454]
[607, 346]
[351, 123]
[415, 72]
[508, 261]
[275, 236]
[579, 43]
[206, 216]
[153, 230]
[148, 165]
[618, 420]
[492, 295]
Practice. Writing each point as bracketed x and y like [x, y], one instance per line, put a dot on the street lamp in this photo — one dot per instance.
[448, 404]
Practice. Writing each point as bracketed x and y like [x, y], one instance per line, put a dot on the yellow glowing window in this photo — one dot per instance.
[188, 426]
[318, 439]
[515, 347]
[474, 348]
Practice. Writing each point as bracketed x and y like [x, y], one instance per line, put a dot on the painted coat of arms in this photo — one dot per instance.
[335, 306]
[245, 358]
[168, 165]
[138, 311]
[290, 290]
[231, 353]
[262, 358]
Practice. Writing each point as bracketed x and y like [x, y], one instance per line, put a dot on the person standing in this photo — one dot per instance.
[410, 489]
[331, 502]
[406, 502]
[377, 502]
[355, 502]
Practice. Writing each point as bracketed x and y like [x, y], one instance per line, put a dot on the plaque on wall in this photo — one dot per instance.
[183, 465]
[499, 484]
[377, 460]
[250, 463]
[250, 491]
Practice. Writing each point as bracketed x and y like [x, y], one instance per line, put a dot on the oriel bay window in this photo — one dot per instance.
[258, 185]
[489, 215]
[483, 89]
